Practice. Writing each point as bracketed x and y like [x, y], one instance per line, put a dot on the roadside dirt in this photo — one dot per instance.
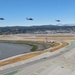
[63, 45]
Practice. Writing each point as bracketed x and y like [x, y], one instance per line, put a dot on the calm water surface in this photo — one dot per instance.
[9, 49]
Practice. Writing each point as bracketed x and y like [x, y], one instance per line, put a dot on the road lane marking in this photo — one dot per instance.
[57, 61]
[65, 56]
[11, 73]
[12, 65]
[44, 67]
[35, 73]
[38, 70]
[1, 68]
[51, 62]
[23, 62]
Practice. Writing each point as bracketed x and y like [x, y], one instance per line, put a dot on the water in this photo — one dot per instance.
[12, 49]
[9, 49]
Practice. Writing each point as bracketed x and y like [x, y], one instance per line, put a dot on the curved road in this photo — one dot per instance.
[42, 66]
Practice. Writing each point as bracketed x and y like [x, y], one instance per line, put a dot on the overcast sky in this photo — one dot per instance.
[42, 11]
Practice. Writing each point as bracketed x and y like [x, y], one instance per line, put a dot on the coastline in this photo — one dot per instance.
[39, 47]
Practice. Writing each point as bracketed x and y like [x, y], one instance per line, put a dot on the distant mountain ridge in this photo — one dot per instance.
[32, 29]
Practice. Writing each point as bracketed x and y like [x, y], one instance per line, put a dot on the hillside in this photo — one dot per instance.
[32, 29]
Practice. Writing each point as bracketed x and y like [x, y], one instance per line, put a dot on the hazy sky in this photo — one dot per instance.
[42, 11]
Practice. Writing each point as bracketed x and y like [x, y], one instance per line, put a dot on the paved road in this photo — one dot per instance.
[38, 67]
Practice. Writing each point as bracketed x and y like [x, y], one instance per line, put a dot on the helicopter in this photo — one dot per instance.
[1, 18]
[29, 19]
[57, 20]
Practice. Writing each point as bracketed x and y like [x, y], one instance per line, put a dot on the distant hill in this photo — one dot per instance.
[32, 29]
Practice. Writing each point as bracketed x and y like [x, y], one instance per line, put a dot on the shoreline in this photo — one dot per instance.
[38, 48]
[25, 56]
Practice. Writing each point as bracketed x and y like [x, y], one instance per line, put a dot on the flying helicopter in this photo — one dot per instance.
[29, 18]
[57, 20]
[1, 18]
